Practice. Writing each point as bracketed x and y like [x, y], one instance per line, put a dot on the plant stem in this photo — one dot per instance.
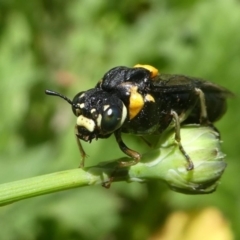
[166, 162]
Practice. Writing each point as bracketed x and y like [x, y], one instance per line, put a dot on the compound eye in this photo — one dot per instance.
[76, 103]
[111, 119]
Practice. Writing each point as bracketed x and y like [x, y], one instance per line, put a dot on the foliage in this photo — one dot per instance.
[68, 46]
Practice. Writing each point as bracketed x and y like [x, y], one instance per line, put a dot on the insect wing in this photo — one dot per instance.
[178, 87]
[180, 83]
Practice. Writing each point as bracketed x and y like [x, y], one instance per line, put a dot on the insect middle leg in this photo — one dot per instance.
[133, 154]
[178, 140]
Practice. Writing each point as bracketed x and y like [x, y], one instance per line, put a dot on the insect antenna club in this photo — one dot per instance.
[142, 101]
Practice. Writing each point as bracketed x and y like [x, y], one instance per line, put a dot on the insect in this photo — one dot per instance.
[142, 101]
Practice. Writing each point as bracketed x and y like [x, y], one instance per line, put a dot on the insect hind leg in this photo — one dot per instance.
[203, 108]
[176, 119]
[204, 121]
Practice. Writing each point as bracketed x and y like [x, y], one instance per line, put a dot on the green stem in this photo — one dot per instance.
[15, 191]
[166, 163]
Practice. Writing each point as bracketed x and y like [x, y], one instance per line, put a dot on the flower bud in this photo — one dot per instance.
[167, 162]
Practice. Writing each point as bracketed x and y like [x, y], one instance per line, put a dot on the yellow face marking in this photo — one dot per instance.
[82, 95]
[153, 70]
[99, 120]
[149, 98]
[86, 122]
[136, 102]
[82, 105]
[124, 114]
[105, 107]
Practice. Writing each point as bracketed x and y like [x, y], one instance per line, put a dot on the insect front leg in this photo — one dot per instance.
[82, 152]
[178, 140]
[133, 154]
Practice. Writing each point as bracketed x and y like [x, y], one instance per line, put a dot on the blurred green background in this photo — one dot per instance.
[67, 46]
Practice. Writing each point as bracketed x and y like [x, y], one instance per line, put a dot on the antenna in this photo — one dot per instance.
[52, 93]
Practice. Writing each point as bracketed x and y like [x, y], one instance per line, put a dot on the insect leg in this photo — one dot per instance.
[203, 114]
[108, 183]
[82, 152]
[135, 155]
[178, 140]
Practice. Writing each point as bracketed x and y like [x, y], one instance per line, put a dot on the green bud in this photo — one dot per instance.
[167, 163]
